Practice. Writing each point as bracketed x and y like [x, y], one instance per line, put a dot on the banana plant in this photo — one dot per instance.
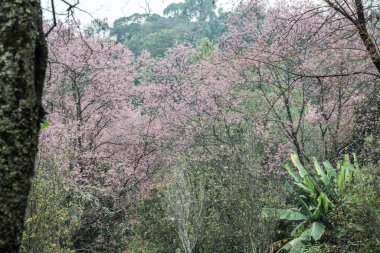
[315, 195]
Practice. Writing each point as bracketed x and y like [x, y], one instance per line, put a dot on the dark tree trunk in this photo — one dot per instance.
[23, 56]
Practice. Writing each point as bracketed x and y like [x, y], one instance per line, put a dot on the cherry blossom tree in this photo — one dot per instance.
[298, 66]
[115, 120]
[96, 133]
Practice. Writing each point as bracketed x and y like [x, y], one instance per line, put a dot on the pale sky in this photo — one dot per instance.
[113, 9]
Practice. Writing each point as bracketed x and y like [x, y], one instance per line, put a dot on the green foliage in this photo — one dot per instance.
[201, 10]
[234, 200]
[104, 226]
[317, 193]
[186, 23]
[159, 42]
[216, 204]
[205, 49]
[153, 231]
[355, 222]
[365, 140]
[62, 219]
[50, 220]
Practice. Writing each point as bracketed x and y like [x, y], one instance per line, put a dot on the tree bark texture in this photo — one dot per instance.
[23, 57]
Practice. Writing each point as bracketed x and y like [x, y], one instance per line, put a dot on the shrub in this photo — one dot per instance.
[50, 219]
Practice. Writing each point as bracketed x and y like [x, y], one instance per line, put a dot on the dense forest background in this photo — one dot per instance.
[201, 130]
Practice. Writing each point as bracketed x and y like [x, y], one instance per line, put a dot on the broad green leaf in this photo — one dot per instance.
[340, 181]
[292, 173]
[310, 185]
[348, 168]
[304, 187]
[283, 214]
[286, 248]
[288, 214]
[346, 159]
[305, 209]
[298, 230]
[316, 213]
[321, 173]
[322, 207]
[294, 246]
[349, 172]
[297, 246]
[329, 169]
[324, 200]
[317, 229]
[297, 163]
[305, 236]
[338, 165]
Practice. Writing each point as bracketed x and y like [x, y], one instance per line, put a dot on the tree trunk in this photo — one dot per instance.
[23, 57]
